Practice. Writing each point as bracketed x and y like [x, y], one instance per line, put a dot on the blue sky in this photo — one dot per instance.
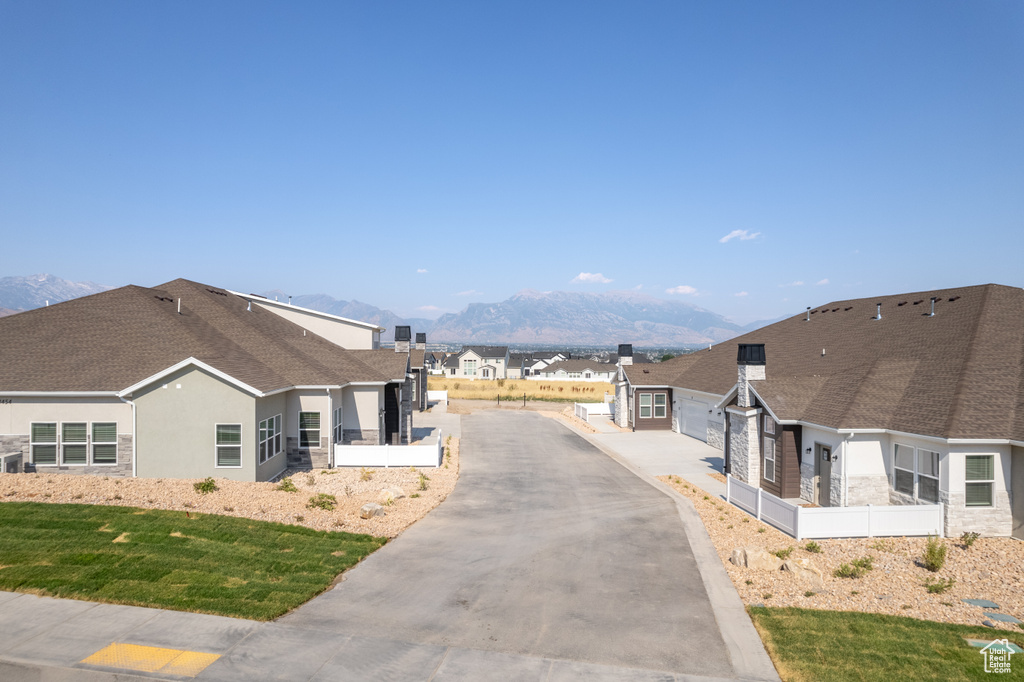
[422, 155]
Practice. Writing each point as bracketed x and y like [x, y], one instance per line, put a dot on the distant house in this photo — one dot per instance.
[479, 362]
[187, 380]
[417, 365]
[577, 370]
[908, 399]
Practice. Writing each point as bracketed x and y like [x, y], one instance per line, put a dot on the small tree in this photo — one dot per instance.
[667, 356]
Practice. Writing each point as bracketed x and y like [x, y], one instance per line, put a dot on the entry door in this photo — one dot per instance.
[391, 414]
[823, 476]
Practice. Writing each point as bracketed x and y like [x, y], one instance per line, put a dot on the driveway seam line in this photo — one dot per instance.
[439, 664]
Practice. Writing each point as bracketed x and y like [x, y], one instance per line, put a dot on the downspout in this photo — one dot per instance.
[135, 425]
[846, 478]
[330, 438]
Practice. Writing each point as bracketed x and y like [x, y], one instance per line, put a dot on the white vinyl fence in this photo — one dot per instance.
[426, 455]
[585, 410]
[835, 522]
[437, 397]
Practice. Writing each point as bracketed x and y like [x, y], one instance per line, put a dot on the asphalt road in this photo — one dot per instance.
[546, 548]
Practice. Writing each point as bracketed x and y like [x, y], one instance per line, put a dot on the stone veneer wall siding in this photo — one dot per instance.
[622, 405]
[716, 434]
[995, 520]
[744, 452]
[307, 458]
[405, 418]
[872, 489]
[360, 437]
[122, 468]
[807, 478]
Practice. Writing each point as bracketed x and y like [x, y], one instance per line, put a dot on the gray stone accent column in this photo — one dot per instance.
[622, 404]
[716, 434]
[807, 478]
[405, 410]
[745, 445]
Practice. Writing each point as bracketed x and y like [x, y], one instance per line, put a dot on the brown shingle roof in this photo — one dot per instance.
[113, 340]
[959, 374]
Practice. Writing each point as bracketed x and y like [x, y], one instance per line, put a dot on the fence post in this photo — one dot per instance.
[728, 488]
[942, 520]
[387, 456]
[796, 523]
[758, 504]
[870, 528]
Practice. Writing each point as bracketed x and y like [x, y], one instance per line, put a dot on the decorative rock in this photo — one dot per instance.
[755, 558]
[396, 492]
[371, 509]
[804, 571]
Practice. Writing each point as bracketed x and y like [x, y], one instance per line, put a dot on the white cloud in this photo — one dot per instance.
[638, 287]
[742, 235]
[429, 308]
[821, 282]
[421, 271]
[470, 292]
[741, 293]
[591, 277]
[681, 289]
[797, 283]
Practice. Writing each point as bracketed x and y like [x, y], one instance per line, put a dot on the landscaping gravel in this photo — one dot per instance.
[351, 488]
[993, 568]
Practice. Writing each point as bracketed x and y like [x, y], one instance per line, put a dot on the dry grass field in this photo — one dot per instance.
[513, 389]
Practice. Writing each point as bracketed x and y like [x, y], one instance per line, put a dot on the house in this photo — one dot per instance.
[187, 380]
[907, 399]
[578, 370]
[417, 364]
[435, 361]
[479, 362]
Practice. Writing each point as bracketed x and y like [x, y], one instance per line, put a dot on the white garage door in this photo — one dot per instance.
[694, 418]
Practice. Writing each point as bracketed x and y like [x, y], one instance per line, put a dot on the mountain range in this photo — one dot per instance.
[528, 317]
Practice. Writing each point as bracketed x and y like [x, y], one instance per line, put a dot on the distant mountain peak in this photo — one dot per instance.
[33, 291]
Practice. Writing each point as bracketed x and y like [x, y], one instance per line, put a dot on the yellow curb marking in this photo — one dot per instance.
[151, 659]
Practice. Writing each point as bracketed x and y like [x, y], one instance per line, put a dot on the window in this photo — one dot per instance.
[659, 405]
[74, 438]
[645, 405]
[586, 375]
[44, 443]
[339, 432]
[270, 438]
[928, 476]
[229, 445]
[309, 429]
[903, 469]
[769, 459]
[980, 475]
[769, 425]
[469, 368]
[104, 442]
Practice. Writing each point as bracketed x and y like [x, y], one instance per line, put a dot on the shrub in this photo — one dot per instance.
[287, 485]
[864, 562]
[311, 480]
[415, 495]
[934, 557]
[365, 474]
[501, 383]
[938, 586]
[813, 547]
[207, 485]
[423, 481]
[783, 553]
[810, 593]
[766, 596]
[762, 529]
[300, 518]
[854, 569]
[323, 501]
[968, 538]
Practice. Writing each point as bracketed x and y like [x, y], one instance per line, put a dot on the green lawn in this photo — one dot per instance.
[826, 646]
[201, 562]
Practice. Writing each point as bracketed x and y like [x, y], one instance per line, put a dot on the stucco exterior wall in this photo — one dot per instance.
[266, 408]
[17, 416]
[176, 422]
[308, 400]
[361, 406]
[344, 334]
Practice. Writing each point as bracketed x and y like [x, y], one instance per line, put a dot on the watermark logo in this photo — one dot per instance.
[997, 656]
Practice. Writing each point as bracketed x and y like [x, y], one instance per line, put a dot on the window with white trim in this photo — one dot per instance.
[769, 459]
[659, 405]
[74, 438]
[645, 405]
[43, 442]
[229, 445]
[309, 429]
[270, 438]
[104, 443]
[928, 476]
[903, 469]
[980, 477]
[469, 367]
[586, 375]
[339, 431]
[769, 425]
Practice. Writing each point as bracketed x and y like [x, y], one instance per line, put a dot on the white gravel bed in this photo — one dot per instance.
[992, 568]
[351, 487]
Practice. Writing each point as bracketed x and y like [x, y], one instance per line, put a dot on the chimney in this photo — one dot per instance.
[421, 341]
[403, 335]
[750, 363]
[625, 354]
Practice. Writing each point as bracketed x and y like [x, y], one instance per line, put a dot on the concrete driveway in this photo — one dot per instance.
[550, 561]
